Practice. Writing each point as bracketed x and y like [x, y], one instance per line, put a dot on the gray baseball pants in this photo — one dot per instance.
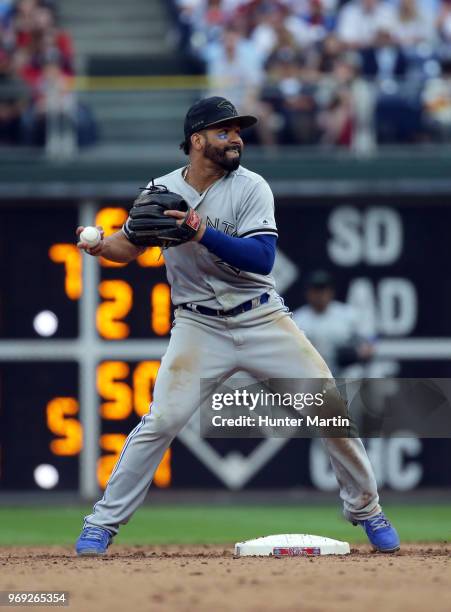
[266, 343]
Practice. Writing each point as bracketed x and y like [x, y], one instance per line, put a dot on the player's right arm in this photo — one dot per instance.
[116, 247]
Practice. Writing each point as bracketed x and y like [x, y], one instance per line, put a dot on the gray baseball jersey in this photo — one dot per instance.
[239, 204]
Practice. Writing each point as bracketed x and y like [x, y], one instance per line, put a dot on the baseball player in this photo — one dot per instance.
[332, 326]
[228, 316]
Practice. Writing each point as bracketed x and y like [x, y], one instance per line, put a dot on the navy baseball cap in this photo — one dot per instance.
[209, 112]
[320, 279]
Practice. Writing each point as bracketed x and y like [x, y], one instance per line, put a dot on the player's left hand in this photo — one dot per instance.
[180, 216]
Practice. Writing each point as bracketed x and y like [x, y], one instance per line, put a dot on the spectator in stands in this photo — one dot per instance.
[292, 98]
[215, 15]
[300, 6]
[275, 22]
[336, 120]
[235, 70]
[361, 21]
[270, 24]
[6, 12]
[14, 96]
[332, 327]
[202, 22]
[56, 113]
[413, 27]
[312, 24]
[51, 38]
[54, 101]
[7, 32]
[385, 59]
[325, 55]
[437, 103]
[214, 20]
[444, 27]
[43, 40]
[185, 11]
[24, 20]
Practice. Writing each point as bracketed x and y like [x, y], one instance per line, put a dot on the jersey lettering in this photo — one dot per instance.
[229, 228]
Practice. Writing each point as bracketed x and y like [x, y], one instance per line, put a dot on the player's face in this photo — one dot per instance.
[224, 146]
[319, 297]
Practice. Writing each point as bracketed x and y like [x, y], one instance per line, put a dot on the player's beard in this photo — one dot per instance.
[219, 156]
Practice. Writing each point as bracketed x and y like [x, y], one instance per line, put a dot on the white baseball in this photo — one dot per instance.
[91, 236]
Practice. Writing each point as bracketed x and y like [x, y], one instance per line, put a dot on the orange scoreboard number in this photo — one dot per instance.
[68, 431]
[117, 295]
[70, 257]
[125, 393]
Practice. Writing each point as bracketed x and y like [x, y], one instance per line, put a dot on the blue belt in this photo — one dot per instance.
[211, 312]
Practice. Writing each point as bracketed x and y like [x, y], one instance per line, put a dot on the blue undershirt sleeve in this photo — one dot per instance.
[255, 254]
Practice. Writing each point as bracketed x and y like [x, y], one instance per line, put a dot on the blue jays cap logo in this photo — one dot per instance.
[226, 105]
[212, 111]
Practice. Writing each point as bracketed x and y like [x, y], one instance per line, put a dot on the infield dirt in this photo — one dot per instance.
[209, 578]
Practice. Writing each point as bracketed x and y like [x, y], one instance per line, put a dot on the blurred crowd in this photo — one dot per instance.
[328, 71]
[36, 76]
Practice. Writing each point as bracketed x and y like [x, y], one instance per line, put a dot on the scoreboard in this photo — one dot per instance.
[42, 269]
[81, 339]
[42, 289]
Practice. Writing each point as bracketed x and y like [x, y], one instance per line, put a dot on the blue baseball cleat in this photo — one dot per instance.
[381, 533]
[93, 541]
